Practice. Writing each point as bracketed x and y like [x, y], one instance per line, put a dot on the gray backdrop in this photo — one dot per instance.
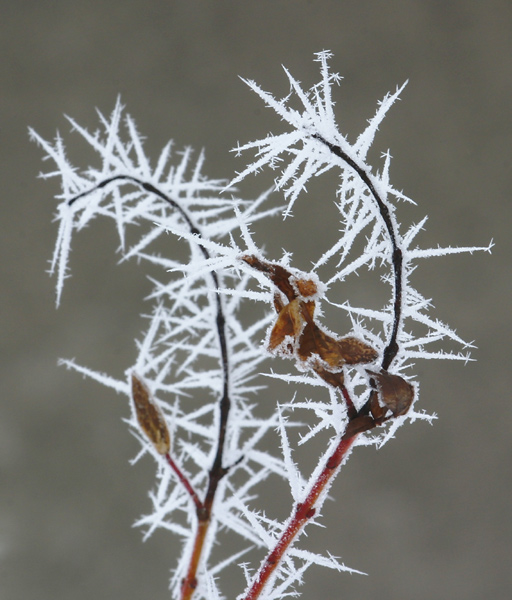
[428, 516]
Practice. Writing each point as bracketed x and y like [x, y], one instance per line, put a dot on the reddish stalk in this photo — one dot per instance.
[303, 513]
[189, 582]
[203, 512]
[185, 482]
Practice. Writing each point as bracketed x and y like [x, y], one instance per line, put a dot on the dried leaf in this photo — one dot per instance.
[150, 417]
[306, 287]
[334, 378]
[277, 274]
[355, 351]
[289, 323]
[296, 332]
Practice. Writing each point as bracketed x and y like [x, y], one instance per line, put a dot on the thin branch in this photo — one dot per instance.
[391, 348]
[307, 509]
[185, 482]
[217, 471]
[304, 511]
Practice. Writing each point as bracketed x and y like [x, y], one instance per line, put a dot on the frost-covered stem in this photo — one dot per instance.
[149, 188]
[303, 513]
[204, 511]
[184, 481]
[217, 471]
[391, 348]
[189, 583]
[351, 409]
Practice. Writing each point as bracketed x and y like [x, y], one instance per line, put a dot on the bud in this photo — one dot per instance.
[394, 391]
[150, 417]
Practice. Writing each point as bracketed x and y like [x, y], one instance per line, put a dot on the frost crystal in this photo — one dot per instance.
[212, 457]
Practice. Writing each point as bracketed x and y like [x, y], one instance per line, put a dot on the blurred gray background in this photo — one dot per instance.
[428, 516]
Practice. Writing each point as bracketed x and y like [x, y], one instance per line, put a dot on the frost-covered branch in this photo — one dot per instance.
[192, 387]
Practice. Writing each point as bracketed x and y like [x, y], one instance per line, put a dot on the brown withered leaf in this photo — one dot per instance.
[355, 351]
[335, 352]
[277, 274]
[289, 323]
[150, 417]
[306, 287]
[284, 280]
[394, 391]
[334, 378]
[295, 322]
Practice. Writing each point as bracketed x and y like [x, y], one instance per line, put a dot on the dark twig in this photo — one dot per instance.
[217, 471]
[358, 420]
[391, 349]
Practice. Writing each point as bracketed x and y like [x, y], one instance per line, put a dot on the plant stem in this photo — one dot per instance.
[303, 512]
[189, 582]
[391, 349]
[184, 481]
[217, 471]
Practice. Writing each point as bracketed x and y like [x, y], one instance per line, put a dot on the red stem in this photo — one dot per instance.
[303, 513]
[185, 482]
[189, 582]
[203, 512]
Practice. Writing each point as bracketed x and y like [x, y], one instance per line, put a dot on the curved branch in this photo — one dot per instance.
[217, 471]
[391, 349]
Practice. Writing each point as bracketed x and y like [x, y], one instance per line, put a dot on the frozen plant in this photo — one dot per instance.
[195, 390]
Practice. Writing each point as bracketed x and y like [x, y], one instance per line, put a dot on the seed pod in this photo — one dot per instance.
[150, 417]
[359, 425]
[394, 391]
